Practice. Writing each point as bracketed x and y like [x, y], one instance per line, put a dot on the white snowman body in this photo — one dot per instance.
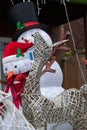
[50, 83]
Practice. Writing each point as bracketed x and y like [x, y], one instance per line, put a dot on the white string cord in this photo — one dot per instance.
[12, 2]
[63, 1]
[38, 7]
[23, 0]
[27, 123]
[12, 118]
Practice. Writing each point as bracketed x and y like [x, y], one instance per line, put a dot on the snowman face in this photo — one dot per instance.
[28, 36]
[19, 66]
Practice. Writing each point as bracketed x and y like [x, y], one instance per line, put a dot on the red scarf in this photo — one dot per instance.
[16, 89]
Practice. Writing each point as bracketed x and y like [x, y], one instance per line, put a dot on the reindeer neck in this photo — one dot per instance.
[41, 53]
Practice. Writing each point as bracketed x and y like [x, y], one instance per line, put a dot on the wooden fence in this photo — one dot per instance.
[73, 74]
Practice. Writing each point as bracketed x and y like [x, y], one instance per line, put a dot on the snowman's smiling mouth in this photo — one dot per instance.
[27, 41]
[19, 71]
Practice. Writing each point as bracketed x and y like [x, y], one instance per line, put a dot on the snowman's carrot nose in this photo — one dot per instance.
[26, 40]
[10, 74]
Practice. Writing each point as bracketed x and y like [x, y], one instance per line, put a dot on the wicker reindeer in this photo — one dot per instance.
[70, 106]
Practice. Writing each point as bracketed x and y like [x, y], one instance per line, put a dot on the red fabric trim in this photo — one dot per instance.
[11, 48]
[31, 23]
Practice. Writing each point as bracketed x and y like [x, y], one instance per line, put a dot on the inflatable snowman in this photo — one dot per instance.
[16, 66]
[24, 15]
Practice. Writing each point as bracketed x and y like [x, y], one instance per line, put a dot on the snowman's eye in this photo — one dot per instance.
[5, 69]
[15, 66]
[32, 35]
[22, 38]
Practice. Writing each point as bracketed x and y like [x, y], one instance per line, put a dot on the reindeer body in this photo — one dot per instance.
[69, 106]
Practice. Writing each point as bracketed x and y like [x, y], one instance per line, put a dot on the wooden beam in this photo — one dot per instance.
[54, 13]
[85, 32]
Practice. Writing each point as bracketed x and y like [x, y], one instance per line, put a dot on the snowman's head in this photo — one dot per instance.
[27, 36]
[18, 58]
[24, 16]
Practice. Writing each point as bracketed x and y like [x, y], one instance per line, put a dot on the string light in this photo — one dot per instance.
[38, 7]
[12, 2]
[43, 1]
[23, 0]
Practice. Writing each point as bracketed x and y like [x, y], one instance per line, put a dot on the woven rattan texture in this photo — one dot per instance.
[70, 106]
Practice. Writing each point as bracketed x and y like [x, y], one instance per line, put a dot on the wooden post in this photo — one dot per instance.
[85, 33]
[72, 74]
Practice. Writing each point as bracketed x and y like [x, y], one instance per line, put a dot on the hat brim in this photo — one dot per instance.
[44, 27]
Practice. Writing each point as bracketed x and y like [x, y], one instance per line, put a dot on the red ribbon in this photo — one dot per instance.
[31, 23]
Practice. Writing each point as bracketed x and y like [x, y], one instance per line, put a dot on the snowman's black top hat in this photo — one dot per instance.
[24, 17]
